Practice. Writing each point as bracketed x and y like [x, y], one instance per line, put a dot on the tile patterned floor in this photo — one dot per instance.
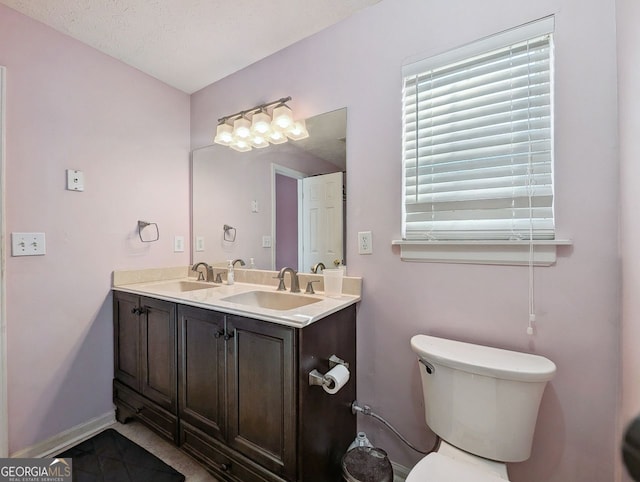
[164, 450]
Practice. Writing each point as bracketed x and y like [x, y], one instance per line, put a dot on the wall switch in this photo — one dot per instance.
[365, 245]
[178, 244]
[266, 241]
[27, 244]
[199, 243]
[75, 180]
[254, 206]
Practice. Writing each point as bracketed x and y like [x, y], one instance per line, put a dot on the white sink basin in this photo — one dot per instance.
[273, 300]
[182, 286]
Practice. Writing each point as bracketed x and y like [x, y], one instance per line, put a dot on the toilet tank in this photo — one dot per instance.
[481, 399]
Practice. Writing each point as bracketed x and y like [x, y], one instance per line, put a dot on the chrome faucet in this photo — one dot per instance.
[209, 273]
[238, 260]
[317, 266]
[295, 283]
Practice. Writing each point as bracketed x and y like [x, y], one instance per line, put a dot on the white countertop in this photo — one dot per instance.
[211, 298]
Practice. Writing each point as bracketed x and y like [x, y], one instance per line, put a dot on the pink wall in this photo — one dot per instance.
[358, 64]
[69, 106]
[628, 15]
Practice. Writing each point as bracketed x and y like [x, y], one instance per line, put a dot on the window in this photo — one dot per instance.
[478, 140]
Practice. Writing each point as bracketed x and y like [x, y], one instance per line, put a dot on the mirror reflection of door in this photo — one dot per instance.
[315, 205]
[322, 220]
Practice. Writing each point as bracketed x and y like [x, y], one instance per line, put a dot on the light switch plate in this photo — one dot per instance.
[199, 243]
[266, 241]
[28, 244]
[178, 244]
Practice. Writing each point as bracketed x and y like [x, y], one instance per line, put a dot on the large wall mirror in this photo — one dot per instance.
[283, 205]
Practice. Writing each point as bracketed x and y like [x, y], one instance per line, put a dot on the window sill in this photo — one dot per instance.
[480, 252]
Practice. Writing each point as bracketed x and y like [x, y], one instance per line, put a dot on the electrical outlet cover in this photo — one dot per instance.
[365, 245]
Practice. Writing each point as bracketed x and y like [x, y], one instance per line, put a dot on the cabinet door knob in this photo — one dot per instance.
[135, 311]
[228, 335]
[218, 334]
[225, 467]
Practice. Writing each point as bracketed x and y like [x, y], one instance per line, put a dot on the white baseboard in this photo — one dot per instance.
[68, 438]
[400, 472]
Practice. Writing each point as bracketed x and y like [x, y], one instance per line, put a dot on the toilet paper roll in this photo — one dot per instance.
[338, 377]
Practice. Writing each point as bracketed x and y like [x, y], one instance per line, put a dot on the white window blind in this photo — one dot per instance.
[478, 143]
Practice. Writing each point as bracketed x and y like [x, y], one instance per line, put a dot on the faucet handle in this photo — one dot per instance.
[309, 289]
[281, 286]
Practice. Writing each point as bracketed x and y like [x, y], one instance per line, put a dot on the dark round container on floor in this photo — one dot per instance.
[367, 464]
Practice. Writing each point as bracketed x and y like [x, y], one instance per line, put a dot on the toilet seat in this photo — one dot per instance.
[436, 467]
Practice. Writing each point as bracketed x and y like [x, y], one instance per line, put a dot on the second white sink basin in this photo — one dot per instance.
[273, 300]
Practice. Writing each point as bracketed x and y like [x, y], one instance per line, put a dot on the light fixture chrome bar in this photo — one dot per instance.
[257, 108]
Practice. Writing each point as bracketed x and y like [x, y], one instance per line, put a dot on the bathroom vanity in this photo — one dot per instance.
[228, 381]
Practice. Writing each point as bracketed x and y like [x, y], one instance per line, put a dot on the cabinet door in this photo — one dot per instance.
[126, 339]
[158, 336]
[201, 369]
[261, 393]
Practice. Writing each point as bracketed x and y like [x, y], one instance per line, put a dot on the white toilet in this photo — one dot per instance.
[483, 404]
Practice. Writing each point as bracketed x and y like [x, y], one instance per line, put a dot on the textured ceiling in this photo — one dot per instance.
[188, 43]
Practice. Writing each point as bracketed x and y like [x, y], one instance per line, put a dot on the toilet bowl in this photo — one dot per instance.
[483, 404]
[446, 466]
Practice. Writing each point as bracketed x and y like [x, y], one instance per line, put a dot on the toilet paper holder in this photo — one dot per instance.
[317, 378]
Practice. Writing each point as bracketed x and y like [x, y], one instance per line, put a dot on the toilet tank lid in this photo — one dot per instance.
[483, 360]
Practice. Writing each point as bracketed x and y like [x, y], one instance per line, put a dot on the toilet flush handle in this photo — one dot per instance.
[428, 366]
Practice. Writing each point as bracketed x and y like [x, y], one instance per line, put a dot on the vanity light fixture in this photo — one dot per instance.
[242, 128]
[297, 130]
[224, 135]
[261, 124]
[282, 117]
[257, 128]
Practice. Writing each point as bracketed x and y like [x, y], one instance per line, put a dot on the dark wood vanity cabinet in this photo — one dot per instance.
[245, 408]
[237, 394]
[201, 369]
[145, 362]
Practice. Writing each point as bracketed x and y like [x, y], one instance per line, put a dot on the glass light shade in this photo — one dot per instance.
[282, 117]
[241, 145]
[242, 128]
[277, 137]
[259, 142]
[297, 131]
[260, 124]
[224, 135]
